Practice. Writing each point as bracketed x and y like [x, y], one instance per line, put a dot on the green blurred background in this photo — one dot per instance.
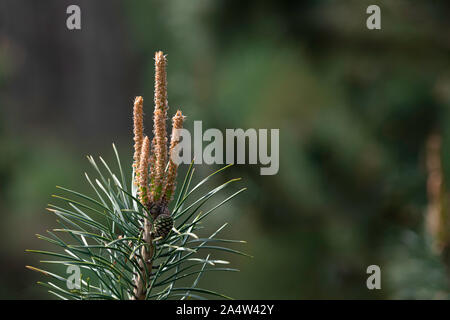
[354, 107]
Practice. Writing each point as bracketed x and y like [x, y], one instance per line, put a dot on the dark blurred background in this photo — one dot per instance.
[355, 109]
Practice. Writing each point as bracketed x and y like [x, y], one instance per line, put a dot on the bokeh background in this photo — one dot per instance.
[355, 109]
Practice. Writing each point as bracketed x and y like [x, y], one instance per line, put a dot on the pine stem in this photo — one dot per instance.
[142, 280]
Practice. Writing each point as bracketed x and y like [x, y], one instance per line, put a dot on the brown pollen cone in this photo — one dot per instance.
[152, 172]
[138, 128]
[143, 171]
[159, 123]
[177, 124]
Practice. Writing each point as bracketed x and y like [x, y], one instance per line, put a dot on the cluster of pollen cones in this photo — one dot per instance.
[155, 172]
